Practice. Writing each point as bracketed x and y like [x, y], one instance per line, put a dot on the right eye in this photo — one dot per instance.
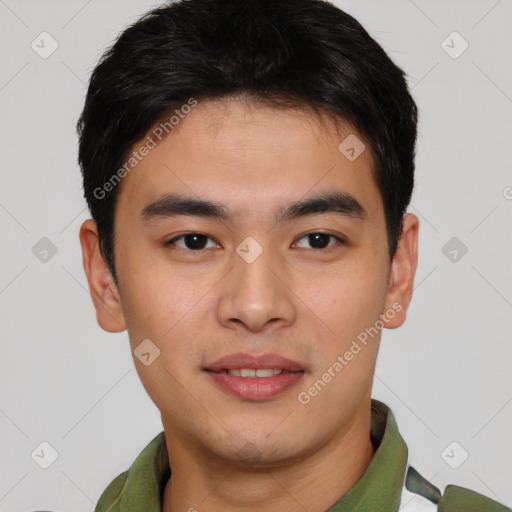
[192, 242]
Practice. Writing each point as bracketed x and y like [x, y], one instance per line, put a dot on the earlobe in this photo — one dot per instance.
[104, 292]
[402, 272]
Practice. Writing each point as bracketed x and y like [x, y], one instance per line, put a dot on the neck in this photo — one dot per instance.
[314, 483]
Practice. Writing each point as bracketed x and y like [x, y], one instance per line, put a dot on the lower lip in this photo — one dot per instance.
[257, 388]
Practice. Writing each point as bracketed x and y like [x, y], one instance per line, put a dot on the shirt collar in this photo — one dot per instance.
[379, 488]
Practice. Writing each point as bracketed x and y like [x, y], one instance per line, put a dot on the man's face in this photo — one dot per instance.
[253, 283]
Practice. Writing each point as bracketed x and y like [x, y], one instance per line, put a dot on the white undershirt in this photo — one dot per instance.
[411, 502]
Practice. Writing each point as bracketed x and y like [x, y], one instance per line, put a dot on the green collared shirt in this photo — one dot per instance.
[381, 488]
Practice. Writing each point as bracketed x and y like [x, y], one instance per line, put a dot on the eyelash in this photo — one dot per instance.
[326, 250]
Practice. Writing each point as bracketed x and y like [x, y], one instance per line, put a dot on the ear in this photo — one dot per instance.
[401, 276]
[104, 292]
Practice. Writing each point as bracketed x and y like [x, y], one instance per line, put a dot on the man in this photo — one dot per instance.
[282, 137]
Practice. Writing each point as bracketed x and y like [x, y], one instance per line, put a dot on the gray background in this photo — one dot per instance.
[445, 373]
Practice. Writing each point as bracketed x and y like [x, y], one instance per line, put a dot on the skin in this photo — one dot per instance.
[294, 300]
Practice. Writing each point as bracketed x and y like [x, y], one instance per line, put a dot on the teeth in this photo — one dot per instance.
[247, 372]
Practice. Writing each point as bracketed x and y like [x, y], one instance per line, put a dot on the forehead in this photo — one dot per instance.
[251, 155]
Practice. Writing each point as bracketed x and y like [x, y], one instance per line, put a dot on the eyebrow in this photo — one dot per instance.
[173, 205]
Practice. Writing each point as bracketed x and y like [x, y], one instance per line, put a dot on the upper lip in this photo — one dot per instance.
[240, 361]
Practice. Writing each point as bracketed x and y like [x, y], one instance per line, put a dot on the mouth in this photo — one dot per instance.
[248, 373]
[255, 378]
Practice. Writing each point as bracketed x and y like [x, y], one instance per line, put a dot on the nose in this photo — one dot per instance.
[256, 295]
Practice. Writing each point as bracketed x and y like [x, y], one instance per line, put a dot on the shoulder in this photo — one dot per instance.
[112, 493]
[459, 498]
[419, 495]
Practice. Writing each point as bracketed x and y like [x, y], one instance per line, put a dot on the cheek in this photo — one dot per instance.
[167, 308]
[148, 299]
[345, 301]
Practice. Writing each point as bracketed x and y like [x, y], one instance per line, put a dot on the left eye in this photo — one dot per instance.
[320, 241]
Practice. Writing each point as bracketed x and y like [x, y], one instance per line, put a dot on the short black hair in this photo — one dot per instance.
[287, 53]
